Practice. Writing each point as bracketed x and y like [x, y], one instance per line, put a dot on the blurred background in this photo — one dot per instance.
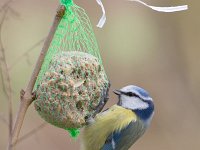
[157, 51]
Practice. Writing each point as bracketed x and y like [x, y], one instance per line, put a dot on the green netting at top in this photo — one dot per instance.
[74, 33]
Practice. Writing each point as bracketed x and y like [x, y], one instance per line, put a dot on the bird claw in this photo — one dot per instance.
[103, 100]
[89, 119]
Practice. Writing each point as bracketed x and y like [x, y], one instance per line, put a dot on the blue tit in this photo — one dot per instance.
[120, 126]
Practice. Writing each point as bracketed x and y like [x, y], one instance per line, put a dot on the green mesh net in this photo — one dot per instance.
[72, 76]
[74, 33]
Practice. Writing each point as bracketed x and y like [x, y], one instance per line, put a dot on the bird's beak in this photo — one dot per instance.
[117, 92]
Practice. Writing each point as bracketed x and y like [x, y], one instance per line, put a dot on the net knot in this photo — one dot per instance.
[66, 3]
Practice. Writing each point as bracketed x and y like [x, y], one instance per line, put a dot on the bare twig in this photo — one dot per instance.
[14, 13]
[26, 53]
[31, 132]
[3, 119]
[27, 95]
[5, 5]
[6, 77]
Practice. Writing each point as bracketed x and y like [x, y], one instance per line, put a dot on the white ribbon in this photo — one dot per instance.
[160, 9]
[103, 17]
[163, 9]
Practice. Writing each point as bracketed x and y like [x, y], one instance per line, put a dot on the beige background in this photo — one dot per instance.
[157, 51]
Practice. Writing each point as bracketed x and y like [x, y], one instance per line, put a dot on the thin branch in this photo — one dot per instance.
[2, 54]
[3, 119]
[26, 53]
[13, 12]
[27, 96]
[5, 5]
[6, 77]
[29, 134]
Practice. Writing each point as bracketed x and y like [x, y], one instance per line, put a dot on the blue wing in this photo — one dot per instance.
[124, 139]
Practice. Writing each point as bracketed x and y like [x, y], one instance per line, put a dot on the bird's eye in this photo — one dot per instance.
[131, 94]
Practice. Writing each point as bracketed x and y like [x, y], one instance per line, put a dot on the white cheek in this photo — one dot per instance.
[133, 103]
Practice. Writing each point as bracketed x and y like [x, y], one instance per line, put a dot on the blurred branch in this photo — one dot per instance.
[3, 119]
[5, 76]
[26, 53]
[27, 96]
[32, 132]
[5, 5]
[13, 12]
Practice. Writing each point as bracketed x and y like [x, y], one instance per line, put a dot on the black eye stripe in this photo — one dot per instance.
[130, 94]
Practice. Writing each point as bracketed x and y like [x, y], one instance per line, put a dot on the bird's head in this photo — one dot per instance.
[137, 99]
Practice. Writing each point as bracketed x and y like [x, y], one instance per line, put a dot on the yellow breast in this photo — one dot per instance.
[114, 119]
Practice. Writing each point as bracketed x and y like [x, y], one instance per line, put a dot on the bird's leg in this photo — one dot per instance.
[103, 100]
[89, 119]
[100, 106]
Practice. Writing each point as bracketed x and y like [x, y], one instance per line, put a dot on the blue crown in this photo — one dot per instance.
[137, 90]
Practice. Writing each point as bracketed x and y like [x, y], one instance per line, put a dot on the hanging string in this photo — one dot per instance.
[102, 20]
[163, 9]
